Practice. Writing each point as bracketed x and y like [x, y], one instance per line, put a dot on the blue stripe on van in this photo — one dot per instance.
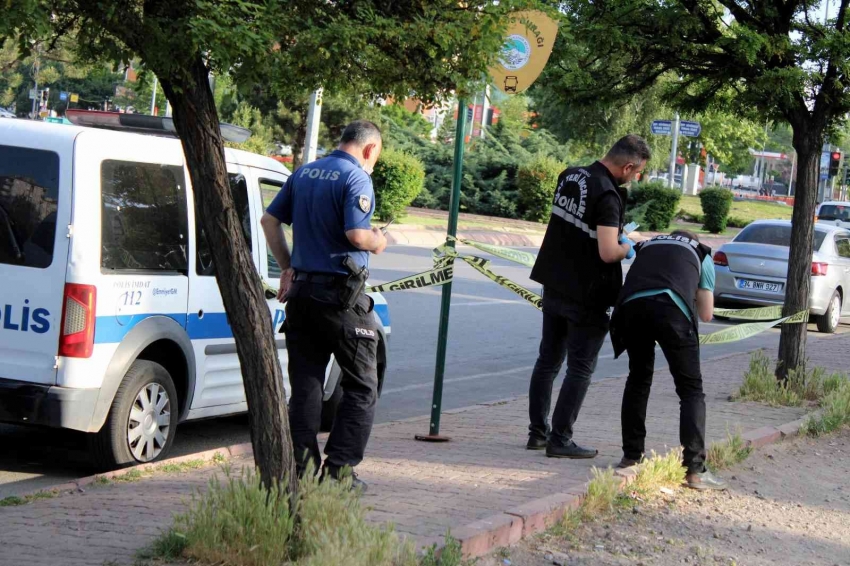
[213, 325]
[112, 329]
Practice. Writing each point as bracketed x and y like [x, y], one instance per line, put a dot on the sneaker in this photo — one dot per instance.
[628, 462]
[334, 474]
[572, 450]
[704, 480]
[536, 443]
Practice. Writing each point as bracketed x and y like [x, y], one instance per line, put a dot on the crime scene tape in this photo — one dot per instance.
[744, 331]
[763, 318]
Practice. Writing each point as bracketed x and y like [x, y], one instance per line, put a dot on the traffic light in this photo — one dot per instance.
[834, 162]
[45, 94]
[846, 175]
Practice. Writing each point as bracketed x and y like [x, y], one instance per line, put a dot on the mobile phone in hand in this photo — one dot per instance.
[385, 226]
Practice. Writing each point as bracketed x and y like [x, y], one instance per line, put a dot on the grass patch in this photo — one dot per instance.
[803, 386]
[657, 472]
[181, 467]
[14, 500]
[239, 522]
[722, 455]
[132, 475]
[834, 414]
[741, 213]
[451, 554]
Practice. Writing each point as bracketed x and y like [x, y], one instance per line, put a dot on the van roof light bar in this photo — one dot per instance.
[144, 124]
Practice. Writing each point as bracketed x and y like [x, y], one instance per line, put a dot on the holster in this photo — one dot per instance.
[355, 284]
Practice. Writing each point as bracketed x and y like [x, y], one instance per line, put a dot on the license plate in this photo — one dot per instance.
[759, 286]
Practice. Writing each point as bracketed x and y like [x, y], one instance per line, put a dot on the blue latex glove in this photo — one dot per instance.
[624, 240]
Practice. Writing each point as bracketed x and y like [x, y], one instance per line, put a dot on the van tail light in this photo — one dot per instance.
[78, 309]
[819, 268]
[721, 259]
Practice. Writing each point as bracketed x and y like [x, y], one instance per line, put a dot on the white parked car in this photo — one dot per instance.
[111, 321]
[834, 212]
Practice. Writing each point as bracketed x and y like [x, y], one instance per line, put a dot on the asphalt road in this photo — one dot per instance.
[493, 341]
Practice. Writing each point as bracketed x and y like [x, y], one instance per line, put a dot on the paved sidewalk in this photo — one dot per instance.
[483, 477]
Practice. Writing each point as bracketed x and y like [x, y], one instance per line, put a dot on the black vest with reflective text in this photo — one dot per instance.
[569, 260]
[667, 262]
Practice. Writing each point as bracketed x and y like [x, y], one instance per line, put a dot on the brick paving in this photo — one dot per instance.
[423, 488]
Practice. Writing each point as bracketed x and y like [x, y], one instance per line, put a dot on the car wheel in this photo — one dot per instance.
[829, 320]
[142, 420]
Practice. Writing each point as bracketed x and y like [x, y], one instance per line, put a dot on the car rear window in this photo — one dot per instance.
[29, 197]
[144, 223]
[774, 235]
[834, 212]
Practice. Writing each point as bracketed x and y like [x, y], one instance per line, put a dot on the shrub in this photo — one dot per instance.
[398, 179]
[716, 204]
[653, 206]
[536, 181]
[241, 523]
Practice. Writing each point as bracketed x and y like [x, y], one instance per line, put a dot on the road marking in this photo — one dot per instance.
[526, 369]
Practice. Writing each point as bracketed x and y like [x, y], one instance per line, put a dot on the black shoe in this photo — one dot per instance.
[334, 474]
[536, 443]
[628, 462]
[572, 450]
[704, 481]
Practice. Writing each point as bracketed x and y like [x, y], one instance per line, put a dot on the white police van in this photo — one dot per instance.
[111, 321]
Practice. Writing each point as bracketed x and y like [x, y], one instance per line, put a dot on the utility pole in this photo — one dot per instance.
[791, 181]
[36, 68]
[153, 96]
[485, 106]
[673, 152]
[314, 118]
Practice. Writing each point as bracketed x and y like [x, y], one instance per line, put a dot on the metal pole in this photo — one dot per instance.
[674, 151]
[484, 108]
[442, 339]
[153, 96]
[36, 68]
[791, 180]
[314, 116]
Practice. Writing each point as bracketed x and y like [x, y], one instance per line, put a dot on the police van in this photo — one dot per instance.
[111, 320]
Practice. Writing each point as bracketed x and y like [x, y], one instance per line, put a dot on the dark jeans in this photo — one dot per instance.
[571, 333]
[316, 328]
[645, 322]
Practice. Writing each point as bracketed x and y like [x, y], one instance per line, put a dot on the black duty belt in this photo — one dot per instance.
[319, 278]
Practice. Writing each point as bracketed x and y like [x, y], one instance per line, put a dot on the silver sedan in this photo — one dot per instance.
[752, 269]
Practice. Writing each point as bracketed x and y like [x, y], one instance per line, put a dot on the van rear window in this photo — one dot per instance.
[29, 197]
[144, 223]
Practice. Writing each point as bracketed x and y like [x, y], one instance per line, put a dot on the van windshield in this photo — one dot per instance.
[29, 196]
[834, 212]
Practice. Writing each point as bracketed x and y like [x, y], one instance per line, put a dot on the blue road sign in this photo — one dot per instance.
[63, 96]
[690, 129]
[662, 127]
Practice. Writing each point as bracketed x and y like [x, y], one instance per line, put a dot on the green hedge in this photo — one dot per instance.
[536, 182]
[398, 179]
[716, 204]
[652, 205]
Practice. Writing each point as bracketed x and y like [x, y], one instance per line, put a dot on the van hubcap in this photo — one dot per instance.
[149, 424]
[835, 317]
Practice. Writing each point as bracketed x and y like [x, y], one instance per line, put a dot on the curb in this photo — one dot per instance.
[512, 525]
[431, 238]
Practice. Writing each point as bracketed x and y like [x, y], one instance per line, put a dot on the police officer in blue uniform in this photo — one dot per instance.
[329, 204]
[579, 268]
[669, 286]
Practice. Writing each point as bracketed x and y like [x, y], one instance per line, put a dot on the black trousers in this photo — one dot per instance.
[572, 333]
[315, 328]
[644, 322]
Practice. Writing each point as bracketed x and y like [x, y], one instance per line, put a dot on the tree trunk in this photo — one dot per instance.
[792, 341]
[196, 120]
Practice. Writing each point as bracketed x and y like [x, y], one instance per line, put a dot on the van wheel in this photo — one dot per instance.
[828, 321]
[142, 420]
[329, 409]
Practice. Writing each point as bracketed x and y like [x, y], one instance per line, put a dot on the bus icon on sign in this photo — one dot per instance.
[511, 83]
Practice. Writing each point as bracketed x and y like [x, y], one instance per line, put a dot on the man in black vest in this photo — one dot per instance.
[579, 268]
[669, 285]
